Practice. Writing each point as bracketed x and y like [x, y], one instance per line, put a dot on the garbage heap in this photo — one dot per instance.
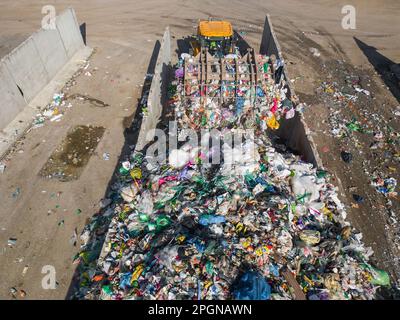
[230, 90]
[187, 229]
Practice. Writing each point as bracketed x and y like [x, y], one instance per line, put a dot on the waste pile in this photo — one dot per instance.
[220, 103]
[188, 229]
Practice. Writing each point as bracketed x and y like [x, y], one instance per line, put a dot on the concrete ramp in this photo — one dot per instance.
[34, 71]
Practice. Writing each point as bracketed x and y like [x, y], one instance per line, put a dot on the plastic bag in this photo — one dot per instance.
[272, 123]
[310, 237]
[252, 286]
[379, 277]
[207, 219]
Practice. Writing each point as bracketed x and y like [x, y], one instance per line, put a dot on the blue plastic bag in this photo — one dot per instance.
[125, 280]
[239, 105]
[260, 92]
[207, 219]
[252, 286]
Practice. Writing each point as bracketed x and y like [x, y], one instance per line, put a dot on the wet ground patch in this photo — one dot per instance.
[93, 101]
[72, 155]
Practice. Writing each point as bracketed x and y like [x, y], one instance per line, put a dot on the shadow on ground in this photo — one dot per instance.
[383, 65]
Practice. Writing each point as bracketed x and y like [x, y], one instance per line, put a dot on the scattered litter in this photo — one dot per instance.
[56, 118]
[357, 198]
[346, 156]
[315, 52]
[12, 242]
[25, 270]
[16, 193]
[366, 92]
[397, 111]
[53, 111]
[13, 291]
[74, 238]
[359, 121]
[386, 186]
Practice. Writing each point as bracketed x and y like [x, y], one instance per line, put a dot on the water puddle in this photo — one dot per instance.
[72, 155]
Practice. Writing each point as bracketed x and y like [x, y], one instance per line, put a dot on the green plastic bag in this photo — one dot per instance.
[379, 277]
[321, 173]
[123, 171]
[354, 126]
[107, 290]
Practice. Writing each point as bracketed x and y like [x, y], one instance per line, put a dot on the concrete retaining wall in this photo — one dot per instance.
[158, 92]
[294, 131]
[68, 28]
[11, 102]
[33, 64]
[51, 50]
[27, 69]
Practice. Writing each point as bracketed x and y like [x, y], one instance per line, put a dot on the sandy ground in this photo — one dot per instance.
[44, 215]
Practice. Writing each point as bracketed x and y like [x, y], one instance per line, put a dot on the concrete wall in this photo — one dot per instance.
[269, 43]
[158, 92]
[11, 100]
[68, 28]
[27, 69]
[51, 50]
[32, 65]
[294, 131]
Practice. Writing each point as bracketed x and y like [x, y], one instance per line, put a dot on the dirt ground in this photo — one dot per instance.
[44, 214]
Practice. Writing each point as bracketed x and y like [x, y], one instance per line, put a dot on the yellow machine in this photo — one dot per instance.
[216, 36]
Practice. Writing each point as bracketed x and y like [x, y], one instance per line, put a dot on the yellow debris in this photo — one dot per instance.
[272, 123]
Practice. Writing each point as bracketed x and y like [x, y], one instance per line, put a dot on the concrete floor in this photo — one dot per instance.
[124, 33]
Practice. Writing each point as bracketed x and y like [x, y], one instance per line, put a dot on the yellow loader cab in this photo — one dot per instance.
[217, 36]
